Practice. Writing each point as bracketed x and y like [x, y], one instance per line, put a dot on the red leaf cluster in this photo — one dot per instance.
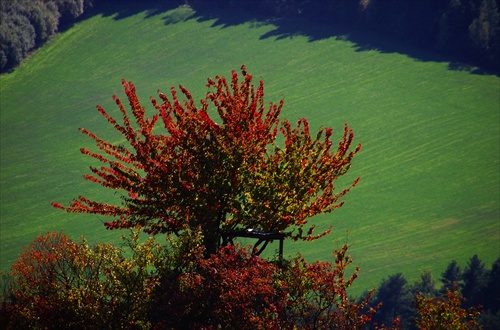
[234, 289]
[184, 169]
[59, 283]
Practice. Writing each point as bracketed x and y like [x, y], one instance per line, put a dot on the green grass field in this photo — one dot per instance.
[429, 166]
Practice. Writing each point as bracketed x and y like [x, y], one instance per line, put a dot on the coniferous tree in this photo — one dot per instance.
[451, 277]
[425, 285]
[396, 298]
[475, 280]
[491, 303]
[492, 289]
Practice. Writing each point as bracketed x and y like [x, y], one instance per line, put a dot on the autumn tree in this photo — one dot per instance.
[185, 169]
[199, 174]
[317, 295]
[445, 312]
[59, 283]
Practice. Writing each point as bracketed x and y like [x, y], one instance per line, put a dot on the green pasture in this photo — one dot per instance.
[429, 166]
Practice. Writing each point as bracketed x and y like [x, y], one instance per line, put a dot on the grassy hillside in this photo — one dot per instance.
[429, 167]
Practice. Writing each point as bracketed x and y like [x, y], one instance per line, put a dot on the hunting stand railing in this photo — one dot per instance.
[261, 236]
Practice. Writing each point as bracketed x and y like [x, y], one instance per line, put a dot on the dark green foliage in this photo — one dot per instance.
[17, 37]
[466, 30]
[451, 276]
[491, 302]
[474, 281]
[425, 285]
[71, 9]
[479, 286]
[395, 295]
[484, 32]
[28, 24]
[492, 296]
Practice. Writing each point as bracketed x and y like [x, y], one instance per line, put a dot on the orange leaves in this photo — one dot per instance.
[60, 283]
[235, 289]
[445, 312]
[84, 205]
[301, 176]
[199, 171]
[317, 292]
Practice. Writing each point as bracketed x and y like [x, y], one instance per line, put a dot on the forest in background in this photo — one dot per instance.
[464, 31]
[26, 25]
[477, 284]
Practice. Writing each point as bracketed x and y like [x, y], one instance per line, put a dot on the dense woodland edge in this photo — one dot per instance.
[462, 31]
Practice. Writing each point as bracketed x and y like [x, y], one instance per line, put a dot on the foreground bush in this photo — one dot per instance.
[60, 283]
[446, 312]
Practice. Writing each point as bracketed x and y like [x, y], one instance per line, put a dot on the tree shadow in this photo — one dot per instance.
[324, 28]
[117, 9]
[226, 16]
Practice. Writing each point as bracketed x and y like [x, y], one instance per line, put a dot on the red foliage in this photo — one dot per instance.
[39, 274]
[234, 289]
[446, 312]
[195, 177]
[317, 295]
[58, 283]
[184, 169]
[230, 290]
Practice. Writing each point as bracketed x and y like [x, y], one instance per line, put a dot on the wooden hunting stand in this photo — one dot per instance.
[263, 237]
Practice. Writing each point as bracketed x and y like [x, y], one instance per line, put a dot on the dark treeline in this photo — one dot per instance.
[465, 30]
[27, 24]
[477, 284]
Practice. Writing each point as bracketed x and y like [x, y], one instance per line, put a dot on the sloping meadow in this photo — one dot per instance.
[429, 166]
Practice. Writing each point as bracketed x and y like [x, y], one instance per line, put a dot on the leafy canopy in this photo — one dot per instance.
[183, 169]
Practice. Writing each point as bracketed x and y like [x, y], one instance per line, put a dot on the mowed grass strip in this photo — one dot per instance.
[429, 164]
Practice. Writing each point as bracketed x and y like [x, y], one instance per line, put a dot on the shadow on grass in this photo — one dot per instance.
[285, 27]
